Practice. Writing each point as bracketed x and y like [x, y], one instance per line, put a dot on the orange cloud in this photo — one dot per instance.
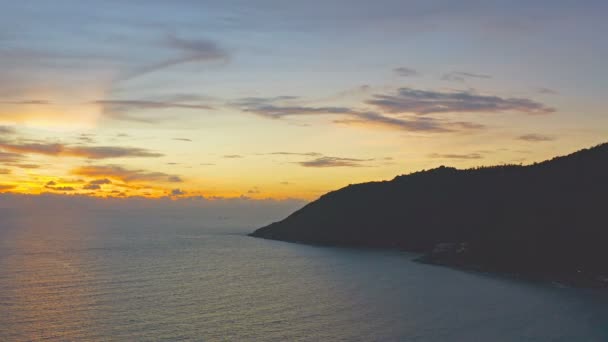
[7, 187]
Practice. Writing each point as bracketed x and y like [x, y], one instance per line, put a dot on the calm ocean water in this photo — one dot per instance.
[109, 276]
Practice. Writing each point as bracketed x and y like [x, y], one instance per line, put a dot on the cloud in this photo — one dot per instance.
[259, 101]
[408, 124]
[265, 108]
[183, 139]
[26, 102]
[461, 76]
[422, 102]
[6, 157]
[456, 156]
[7, 130]
[253, 191]
[104, 152]
[126, 105]
[52, 185]
[96, 184]
[188, 51]
[100, 181]
[307, 154]
[334, 162]
[177, 192]
[64, 188]
[276, 112]
[535, 137]
[91, 187]
[90, 152]
[547, 91]
[86, 138]
[406, 72]
[122, 109]
[125, 175]
[26, 166]
[5, 172]
[6, 187]
[233, 156]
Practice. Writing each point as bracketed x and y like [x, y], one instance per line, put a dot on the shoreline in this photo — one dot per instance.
[582, 281]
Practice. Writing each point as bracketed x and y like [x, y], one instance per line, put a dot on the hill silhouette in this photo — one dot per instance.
[547, 220]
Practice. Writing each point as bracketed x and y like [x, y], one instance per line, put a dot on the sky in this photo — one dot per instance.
[287, 100]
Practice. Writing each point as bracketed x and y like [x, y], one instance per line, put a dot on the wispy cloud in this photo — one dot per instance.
[461, 76]
[406, 72]
[26, 102]
[277, 112]
[415, 124]
[307, 154]
[422, 102]
[26, 166]
[96, 184]
[351, 116]
[125, 175]
[86, 138]
[90, 152]
[91, 187]
[7, 130]
[52, 185]
[7, 187]
[124, 109]
[233, 156]
[126, 105]
[101, 181]
[177, 192]
[535, 137]
[322, 162]
[253, 191]
[187, 51]
[456, 156]
[547, 91]
[5, 172]
[7, 157]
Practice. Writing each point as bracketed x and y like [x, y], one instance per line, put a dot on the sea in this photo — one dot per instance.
[161, 276]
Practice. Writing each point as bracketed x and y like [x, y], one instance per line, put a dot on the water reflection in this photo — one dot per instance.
[47, 289]
[131, 277]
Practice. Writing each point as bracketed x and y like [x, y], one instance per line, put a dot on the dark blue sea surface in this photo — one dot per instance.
[153, 276]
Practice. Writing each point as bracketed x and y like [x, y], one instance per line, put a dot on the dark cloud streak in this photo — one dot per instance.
[461, 76]
[90, 152]
[423, 102]
[266, 108]
[188, 51]
[406, 72]
[535, 137]
[456, 156]
[125, 175]
[323, 162]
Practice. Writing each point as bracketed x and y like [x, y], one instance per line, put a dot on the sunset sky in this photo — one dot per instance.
[285, 99]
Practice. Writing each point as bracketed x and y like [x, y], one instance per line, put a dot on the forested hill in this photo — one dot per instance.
[548, 219]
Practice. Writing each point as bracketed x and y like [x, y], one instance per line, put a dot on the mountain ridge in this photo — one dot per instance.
[544, 220]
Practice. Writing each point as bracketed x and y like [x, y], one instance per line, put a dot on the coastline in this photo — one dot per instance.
[580, 280]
